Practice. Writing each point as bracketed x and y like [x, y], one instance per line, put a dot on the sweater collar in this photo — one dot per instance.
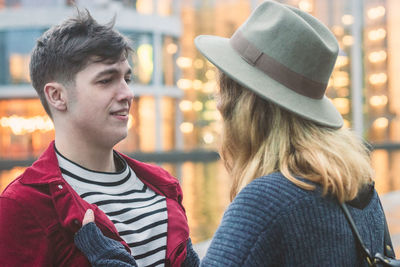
[364, 197]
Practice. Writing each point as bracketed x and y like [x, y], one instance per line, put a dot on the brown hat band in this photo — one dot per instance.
[277, 71]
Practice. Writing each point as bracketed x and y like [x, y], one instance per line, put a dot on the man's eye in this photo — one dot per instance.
[105, 81]
[128, 79]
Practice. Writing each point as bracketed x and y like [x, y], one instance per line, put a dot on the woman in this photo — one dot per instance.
[283, 145]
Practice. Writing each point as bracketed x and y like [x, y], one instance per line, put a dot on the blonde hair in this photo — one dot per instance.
[260, 138]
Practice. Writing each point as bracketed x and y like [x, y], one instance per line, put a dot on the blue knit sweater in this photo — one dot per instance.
[272, 222]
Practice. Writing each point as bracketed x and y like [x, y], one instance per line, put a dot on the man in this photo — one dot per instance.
[81, 74]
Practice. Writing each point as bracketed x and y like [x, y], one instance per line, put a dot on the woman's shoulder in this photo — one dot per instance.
[270, 196]
[275, 186]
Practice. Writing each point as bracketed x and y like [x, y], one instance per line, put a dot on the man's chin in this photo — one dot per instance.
[120, 137]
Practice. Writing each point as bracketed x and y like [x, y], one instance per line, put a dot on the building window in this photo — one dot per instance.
[15, 49]
[164, 7]
[142, 59]
[147, 123]
[161, 7]
[170, 51]
[168, 110]
[19, 68]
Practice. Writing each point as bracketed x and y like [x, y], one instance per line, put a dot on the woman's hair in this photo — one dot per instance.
[260, 138]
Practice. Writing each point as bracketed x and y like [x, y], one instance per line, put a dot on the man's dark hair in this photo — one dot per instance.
[64, 50]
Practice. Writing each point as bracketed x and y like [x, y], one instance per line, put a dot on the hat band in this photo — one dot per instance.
[274, 69]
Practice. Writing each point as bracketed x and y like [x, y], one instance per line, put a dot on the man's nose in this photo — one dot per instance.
[125, 92]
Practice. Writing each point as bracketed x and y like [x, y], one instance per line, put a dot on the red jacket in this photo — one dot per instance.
[40, 213]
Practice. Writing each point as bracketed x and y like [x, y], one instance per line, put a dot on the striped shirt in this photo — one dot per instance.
[138, 213]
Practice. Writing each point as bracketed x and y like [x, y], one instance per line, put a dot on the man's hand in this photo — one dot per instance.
[89, 217]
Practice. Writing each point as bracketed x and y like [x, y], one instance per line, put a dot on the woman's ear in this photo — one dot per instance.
[56, 96]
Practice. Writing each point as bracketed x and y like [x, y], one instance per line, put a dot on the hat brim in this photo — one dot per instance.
[219, 52]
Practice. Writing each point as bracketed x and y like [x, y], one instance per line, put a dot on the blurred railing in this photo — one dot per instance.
[197, 155]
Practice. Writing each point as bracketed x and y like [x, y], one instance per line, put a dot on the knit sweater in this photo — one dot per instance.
[103, 251]
[273, 222]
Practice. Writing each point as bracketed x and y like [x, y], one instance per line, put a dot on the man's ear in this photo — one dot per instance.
[56, 95]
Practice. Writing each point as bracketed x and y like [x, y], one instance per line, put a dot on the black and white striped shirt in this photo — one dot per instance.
[138, 213]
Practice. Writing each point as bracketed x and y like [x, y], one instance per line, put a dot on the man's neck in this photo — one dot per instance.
[87, 155]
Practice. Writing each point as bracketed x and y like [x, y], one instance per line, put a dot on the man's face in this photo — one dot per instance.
[99, 103]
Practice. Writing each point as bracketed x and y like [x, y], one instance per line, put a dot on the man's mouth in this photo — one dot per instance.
[120, 113]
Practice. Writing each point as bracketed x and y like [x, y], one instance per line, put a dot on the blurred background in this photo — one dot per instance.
[173, 120]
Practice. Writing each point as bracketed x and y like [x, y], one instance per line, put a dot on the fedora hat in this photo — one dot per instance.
[282, 54]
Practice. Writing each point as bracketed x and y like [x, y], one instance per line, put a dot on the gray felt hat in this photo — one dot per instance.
[284, 55]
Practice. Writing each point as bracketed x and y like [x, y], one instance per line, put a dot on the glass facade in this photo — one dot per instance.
[157, 7]
[15, 55]
[200, 117]
[169, 56]
[142, 59]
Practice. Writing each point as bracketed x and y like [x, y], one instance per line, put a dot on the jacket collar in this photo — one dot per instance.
[46, 170]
